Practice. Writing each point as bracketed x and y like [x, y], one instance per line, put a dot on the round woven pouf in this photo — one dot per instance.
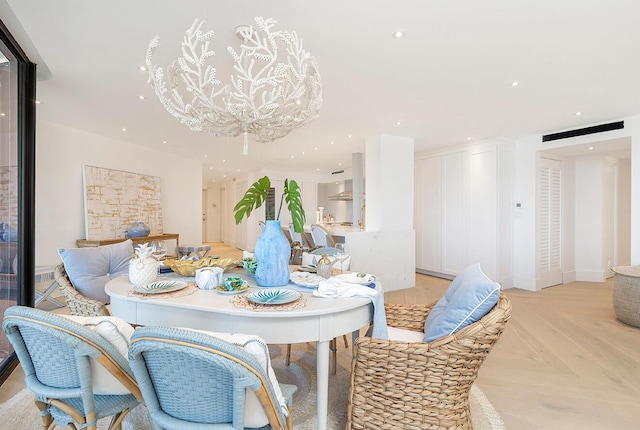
[626, 294]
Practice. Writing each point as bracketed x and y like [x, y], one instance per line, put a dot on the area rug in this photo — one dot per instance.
[19, 412]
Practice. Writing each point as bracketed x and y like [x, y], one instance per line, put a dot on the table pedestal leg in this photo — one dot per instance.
[322, 364]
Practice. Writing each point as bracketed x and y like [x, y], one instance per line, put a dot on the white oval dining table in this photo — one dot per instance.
[320, 320]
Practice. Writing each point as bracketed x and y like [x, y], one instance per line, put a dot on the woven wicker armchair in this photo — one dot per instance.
[396, 385]
[78, 304]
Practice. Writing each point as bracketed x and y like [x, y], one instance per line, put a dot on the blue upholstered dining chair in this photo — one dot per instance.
[193, 379]
[321, 236]
[61, 360]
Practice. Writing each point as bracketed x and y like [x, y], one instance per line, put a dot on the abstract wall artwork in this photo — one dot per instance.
[114, 200]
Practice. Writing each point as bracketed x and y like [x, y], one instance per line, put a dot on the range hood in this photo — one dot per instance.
[345, 195]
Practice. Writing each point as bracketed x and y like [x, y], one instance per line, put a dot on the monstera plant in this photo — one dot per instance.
[272, 250]
[257, 194]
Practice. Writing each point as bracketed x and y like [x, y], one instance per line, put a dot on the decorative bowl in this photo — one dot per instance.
[187, 267]
[250, 264]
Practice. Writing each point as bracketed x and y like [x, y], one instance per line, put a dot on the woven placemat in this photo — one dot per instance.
[189, 289]
[243, 302]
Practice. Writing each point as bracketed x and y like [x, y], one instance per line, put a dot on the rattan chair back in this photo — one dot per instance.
[403, 385]
[191, 377]
[78, 304]
[56, 355]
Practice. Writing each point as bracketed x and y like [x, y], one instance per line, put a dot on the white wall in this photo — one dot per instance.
[60, 216]
[524, 192]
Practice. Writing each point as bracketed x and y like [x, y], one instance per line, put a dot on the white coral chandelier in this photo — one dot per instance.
[276, 88]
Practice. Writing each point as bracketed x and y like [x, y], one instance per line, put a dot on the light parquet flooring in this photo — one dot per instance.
[563, 362]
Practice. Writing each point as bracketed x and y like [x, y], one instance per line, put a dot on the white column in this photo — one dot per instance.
[387, 246]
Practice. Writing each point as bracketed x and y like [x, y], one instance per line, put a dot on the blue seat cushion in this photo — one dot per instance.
[90, 268]
[470, 296]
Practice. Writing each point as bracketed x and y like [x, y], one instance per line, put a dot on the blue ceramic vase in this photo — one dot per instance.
[272, 256]
[138, 229]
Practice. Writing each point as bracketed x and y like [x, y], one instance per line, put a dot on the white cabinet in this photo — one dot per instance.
[463, 211]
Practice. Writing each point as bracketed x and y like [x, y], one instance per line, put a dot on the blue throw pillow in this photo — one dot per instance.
[470, 296]
[90, 268]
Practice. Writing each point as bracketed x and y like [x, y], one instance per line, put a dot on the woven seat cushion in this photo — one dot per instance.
[470, 296]
[118, 333]
[90, 268]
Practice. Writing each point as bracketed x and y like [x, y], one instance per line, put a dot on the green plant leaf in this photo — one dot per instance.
[294, 203]
[253, 198]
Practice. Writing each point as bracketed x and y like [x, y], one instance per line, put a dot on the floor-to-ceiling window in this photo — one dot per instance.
[17, 166]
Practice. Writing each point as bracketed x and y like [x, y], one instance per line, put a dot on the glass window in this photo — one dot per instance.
[8, 189]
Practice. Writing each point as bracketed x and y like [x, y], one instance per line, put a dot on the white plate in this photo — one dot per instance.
[305, 279]
[273, 296]
[159, 287]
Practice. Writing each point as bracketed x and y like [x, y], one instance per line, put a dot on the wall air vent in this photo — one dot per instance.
[582, 131]
[335, 172]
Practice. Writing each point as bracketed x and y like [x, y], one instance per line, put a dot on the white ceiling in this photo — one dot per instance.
[447, 82]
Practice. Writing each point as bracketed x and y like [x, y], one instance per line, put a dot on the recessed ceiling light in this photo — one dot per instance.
[292, 156]
[37, 102]
[224, 176]
[316, 148]
[205, 155]
[302, 152]
[515, 83]
[398, 34]
[578, 113]
[238, 170]
[317, 169]
[164, 141]
[211, 168]
[142, 68]
[141, 97]
[468, 138]
[2, 114]
[339, 164]
[224, 161]
[591, 148]
[124, 129]
[398, 123]
[349, 136]
[332, 142]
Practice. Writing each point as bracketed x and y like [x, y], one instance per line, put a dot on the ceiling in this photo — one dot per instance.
[449, 81]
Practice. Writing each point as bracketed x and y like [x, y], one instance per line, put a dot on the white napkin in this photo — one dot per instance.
[334, 287]
[358, 278]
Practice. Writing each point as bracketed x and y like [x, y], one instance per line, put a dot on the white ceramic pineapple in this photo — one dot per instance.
[143, 268]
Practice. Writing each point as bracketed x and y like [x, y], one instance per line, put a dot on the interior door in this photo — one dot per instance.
[549, 222]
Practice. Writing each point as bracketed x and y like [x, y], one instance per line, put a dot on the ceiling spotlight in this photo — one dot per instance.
[578, 113]
[514, 83]
[124, 129]
[205, 155]
[591, 148]
[142, 69]
[37, 102]
[398, 123]
[468, 138]
[349, 136]
[164, 141]
[141, 97]
[398, 34]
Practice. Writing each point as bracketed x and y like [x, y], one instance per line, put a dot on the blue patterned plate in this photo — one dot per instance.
[160, 287]
[273, 296]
